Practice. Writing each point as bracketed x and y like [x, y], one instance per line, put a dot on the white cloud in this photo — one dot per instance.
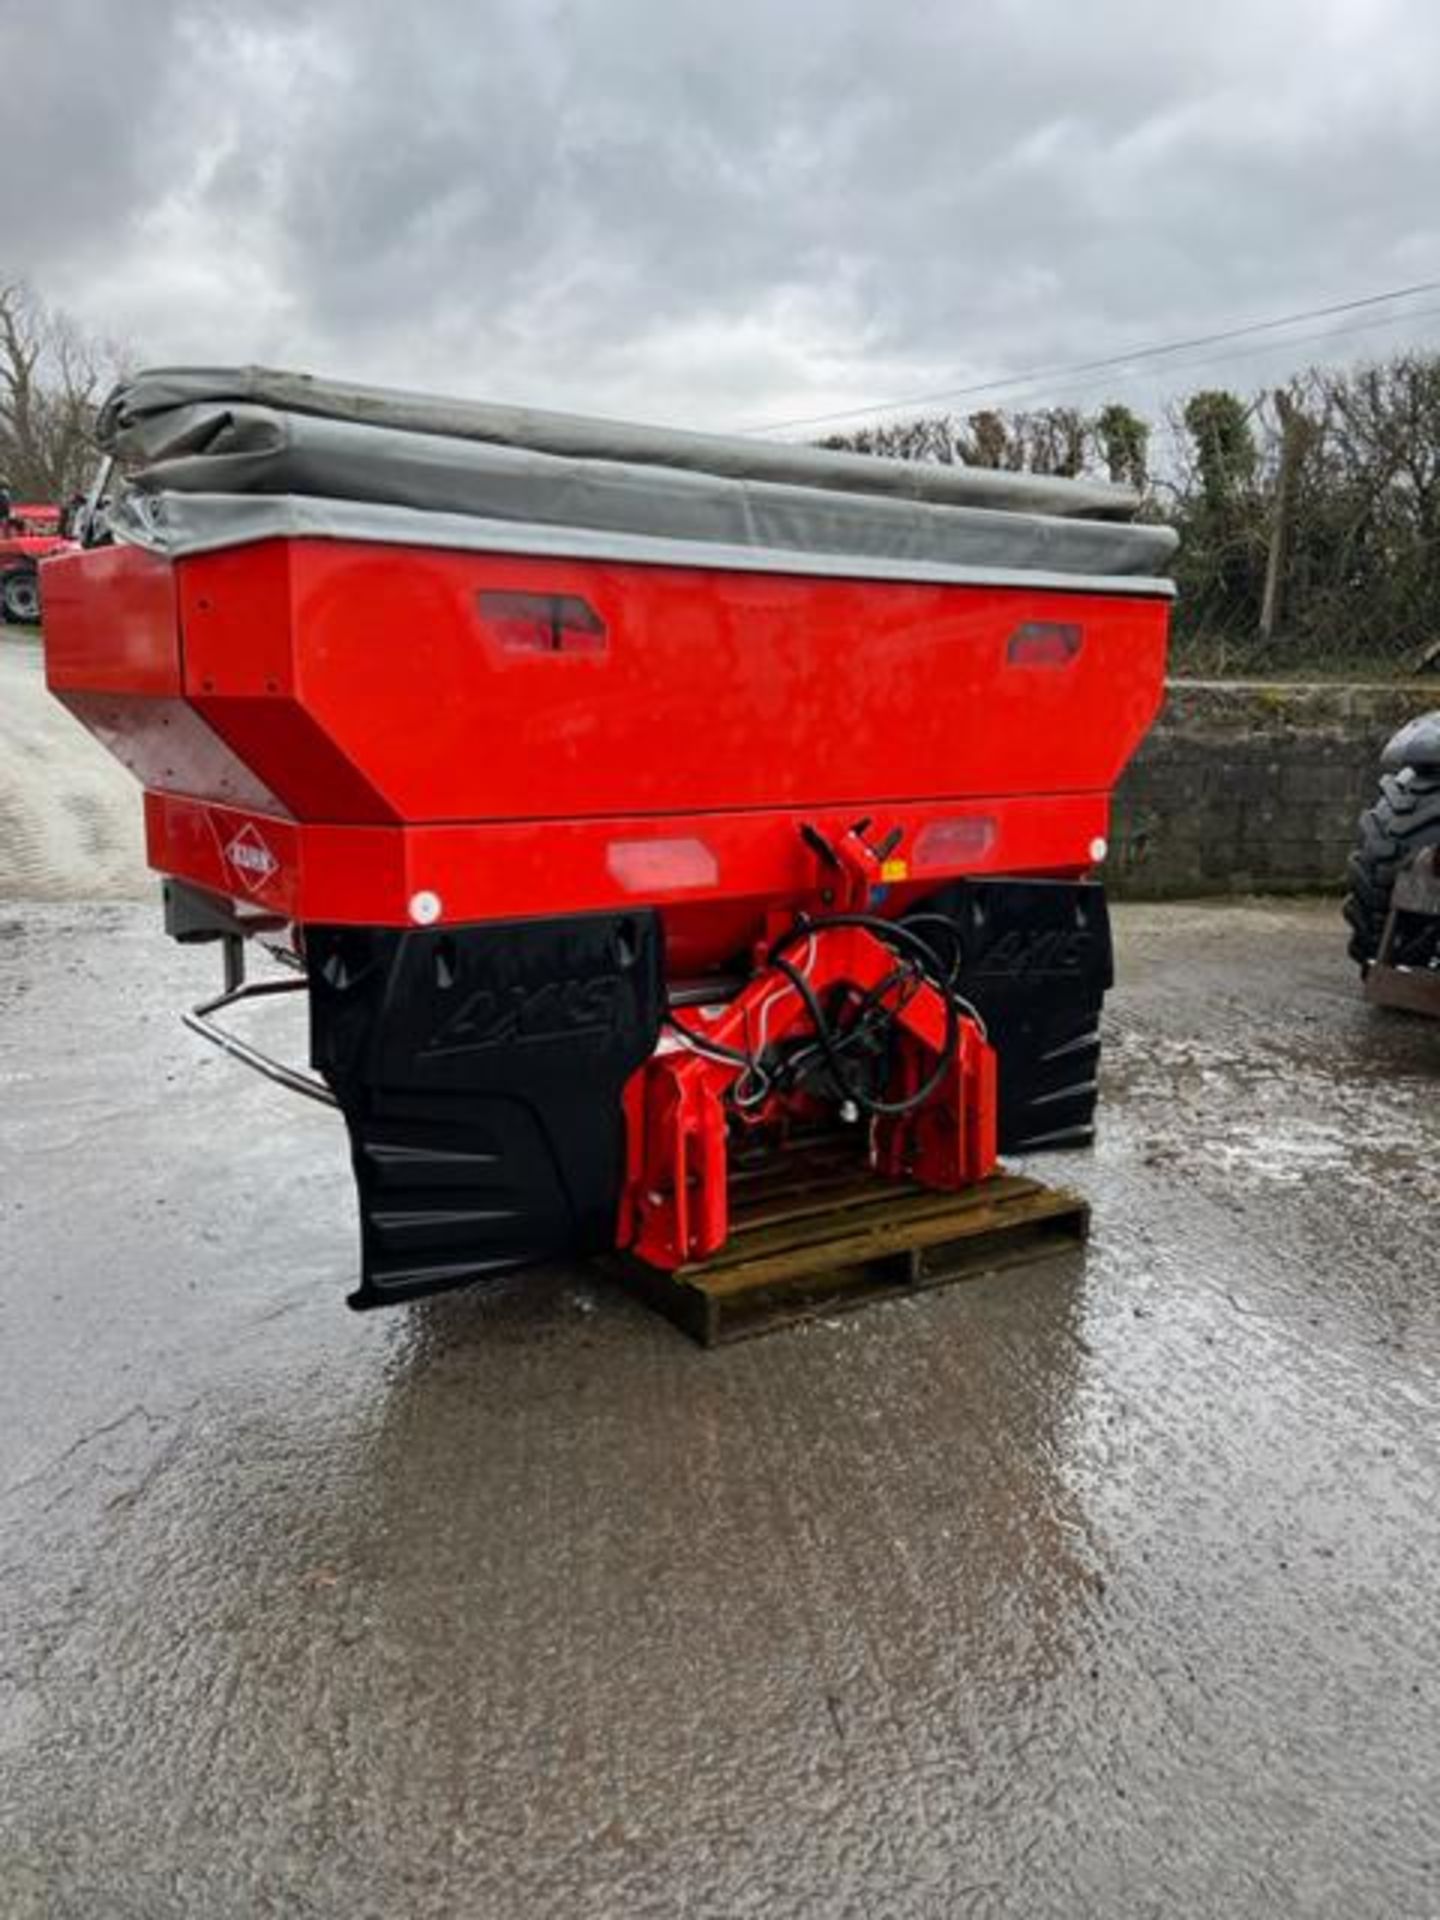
[720, 215]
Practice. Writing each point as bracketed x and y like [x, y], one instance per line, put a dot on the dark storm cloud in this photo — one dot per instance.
[706, 212]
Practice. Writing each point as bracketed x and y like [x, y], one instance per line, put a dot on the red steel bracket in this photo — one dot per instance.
[675, 1206]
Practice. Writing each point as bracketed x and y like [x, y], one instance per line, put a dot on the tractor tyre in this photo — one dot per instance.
[20, 596]
[1404, 819]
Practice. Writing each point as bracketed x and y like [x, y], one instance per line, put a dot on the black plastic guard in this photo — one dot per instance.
[1037, 965]
[480, 1071]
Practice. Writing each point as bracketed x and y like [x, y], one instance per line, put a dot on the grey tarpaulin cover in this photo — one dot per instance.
[215, 458]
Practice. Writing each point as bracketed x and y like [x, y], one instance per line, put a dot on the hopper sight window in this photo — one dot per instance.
[542, 622]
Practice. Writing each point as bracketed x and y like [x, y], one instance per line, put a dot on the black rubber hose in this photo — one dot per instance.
[824, 1032]
[952, 933]
[832, 1044]
[892, 932]
[867, 1015]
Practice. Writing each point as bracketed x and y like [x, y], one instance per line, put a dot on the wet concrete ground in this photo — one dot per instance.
[1104, 1589]
[68, 818]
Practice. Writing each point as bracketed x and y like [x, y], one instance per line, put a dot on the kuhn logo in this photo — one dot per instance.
[251, 858]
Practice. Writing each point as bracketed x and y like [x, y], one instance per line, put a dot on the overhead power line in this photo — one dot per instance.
[1153, 352]
[1250, 353]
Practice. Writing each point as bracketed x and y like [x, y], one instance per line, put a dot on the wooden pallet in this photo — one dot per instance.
[814, 1232]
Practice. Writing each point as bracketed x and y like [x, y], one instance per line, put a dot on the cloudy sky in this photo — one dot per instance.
[726, 213]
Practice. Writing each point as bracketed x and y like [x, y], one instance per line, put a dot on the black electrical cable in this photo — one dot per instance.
[899, 939]
[751, 1066]
[868, 1020]
[892, 932]
[1153, 351]
[951, 932]
[701, 1043]
[951, 980]
[832, 1046]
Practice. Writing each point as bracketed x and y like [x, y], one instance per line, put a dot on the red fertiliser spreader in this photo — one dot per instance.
[617, 796]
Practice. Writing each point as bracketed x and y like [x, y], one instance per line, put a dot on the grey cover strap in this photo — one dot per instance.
[176, 524]
[205, 471]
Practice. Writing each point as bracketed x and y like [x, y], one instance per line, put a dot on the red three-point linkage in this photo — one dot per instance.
[675, 1205]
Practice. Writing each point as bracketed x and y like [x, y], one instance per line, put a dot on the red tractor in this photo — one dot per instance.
[28, 535]
[620, 798]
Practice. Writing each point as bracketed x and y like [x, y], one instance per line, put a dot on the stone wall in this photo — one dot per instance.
[1253, 787]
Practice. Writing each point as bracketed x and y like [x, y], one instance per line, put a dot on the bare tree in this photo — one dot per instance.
[1309, 516]
[1296, 433]
[52, 377]
[1052, 440]
[991, 441]
[931, 438]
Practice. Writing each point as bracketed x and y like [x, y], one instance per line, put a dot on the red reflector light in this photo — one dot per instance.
[1044, 643]
[951, 845]
[543, 622]
[658, 866]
